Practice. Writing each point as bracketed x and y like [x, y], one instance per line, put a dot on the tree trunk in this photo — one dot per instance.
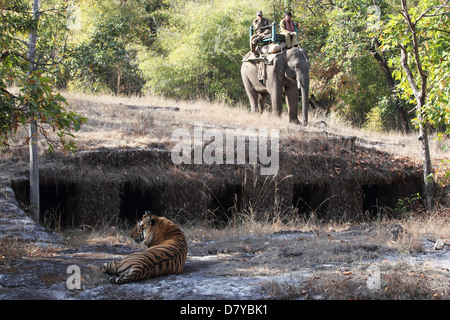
[33, 142]
[420, 95]
[401, 113]
[427, 169]
[119, 78]
[34, 172]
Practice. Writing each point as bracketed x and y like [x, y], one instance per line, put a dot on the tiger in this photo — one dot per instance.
[166, 253]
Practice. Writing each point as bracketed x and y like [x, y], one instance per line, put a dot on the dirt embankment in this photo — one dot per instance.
[125, 165]
[332, 177]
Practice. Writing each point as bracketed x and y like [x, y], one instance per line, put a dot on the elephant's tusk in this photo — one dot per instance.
[289, 78]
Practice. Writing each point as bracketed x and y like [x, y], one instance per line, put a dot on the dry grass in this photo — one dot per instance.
[432, 226]
[110, 235]
[399, 281]
[125, 121]
[399, 278]
[128, 122]
[13, 249]
[143, 122]
[341, 269]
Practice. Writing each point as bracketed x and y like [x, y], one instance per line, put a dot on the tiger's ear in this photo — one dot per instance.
[146, 218]
[153, 220]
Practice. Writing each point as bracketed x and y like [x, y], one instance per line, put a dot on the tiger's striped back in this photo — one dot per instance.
[166, 253]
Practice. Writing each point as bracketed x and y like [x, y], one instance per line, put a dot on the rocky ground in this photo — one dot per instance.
[362, 262]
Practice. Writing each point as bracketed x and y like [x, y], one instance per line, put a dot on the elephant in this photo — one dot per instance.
[288, 71]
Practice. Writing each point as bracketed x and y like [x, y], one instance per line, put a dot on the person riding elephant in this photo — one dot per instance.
[261, 25]
[287, 26]
[286, 72]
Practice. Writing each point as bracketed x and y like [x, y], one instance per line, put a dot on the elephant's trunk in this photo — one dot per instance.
[305, 97]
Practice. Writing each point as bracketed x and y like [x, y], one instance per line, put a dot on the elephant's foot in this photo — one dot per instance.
[295, 121]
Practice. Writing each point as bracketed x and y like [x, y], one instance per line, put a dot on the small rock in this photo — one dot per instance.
[439, 245]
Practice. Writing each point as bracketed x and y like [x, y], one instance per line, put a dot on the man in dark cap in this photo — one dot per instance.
[261, 26]
[287, 26]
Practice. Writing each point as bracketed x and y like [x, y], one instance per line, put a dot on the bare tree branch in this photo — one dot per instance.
[407, 69]
[435, 14]
[412, 27]
[311, 10]
[14, 39]
[9, 93]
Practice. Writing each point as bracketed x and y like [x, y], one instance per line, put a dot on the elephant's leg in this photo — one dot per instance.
[253, 98]
[261, 99]
[277, 102]
[251, 92]
[292, 97]
[254, 106]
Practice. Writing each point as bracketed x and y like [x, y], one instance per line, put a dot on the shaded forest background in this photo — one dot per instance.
[189, 49]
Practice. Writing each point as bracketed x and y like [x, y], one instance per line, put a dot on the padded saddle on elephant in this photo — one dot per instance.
[264, 59]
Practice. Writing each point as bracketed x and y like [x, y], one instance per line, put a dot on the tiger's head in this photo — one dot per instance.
[149, 229]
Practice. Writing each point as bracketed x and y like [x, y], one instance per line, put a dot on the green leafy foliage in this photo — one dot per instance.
[357, 82]
[109, 37]
[36, 100]
[405, 206]
[422, 32]
[432, 22]
[199, 51]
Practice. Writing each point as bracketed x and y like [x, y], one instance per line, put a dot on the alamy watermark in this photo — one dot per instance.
[236, 146]
[374, 18]
[74, 280]
[373, 281]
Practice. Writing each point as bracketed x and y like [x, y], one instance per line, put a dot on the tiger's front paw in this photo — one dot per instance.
[112, 279]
